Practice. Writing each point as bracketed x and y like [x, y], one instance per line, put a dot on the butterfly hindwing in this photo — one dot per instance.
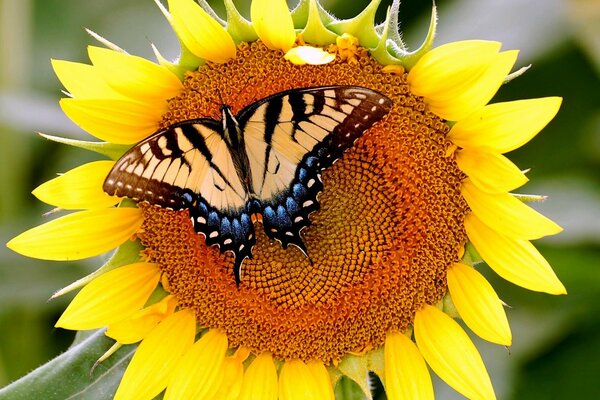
[291, 137]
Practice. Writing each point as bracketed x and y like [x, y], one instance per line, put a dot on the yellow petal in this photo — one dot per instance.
[201, 34]
[516, 260]
[111, 297]
[233, 369]
[478, 304]
[142, 322]
[199, 373]
[489, 171]
[441, 70]
[134, 77]
[507, 215]
[79, 235]
[302, 55]
[451, 354]
[155, 359]
[79, 188]
[503, 127]
[83, 81]
[456, 105]
[296, 381]
[260, 379]
[116, 121]
[406, 375]
[322, 380]
[273, 23]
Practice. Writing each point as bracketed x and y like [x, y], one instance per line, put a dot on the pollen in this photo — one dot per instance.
[389, 226]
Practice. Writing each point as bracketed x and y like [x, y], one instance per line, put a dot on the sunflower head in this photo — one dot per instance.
[296, 199]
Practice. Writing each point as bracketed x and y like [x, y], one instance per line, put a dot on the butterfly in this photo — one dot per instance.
[265, 161]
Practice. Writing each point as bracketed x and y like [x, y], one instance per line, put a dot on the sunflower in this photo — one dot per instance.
[405, 214]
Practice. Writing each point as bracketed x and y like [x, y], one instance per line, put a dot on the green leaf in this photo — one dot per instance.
[70, 375]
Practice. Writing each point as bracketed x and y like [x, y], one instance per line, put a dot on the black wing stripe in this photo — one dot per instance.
[192, 133]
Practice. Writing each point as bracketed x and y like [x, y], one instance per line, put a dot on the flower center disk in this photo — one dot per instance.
[390, 223]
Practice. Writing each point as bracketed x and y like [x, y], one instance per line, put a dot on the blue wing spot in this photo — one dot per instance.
[292, 206]
[225, 227]
[213, 219]
[302, 174]
[238, 233]
[299, 191]
[188, 198]
[202, 208]
[311, 161]
[283, 218]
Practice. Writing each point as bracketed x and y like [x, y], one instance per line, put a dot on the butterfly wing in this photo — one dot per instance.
[291, 137]
[189, 166]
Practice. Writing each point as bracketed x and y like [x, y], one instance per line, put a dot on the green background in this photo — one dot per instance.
[556, 350]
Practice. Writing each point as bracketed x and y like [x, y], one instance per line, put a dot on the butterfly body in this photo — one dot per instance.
[265, 161]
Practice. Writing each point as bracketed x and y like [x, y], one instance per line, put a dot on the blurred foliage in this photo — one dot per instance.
[557, 345]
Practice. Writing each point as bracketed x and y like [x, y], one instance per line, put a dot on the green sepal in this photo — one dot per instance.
[240, 29]
[300, 14]
[448, 306]
[471, 256]
[127, 253]
[409, 59]
[516, 74]
[530, 198]
[362, 26]
[206, 7]
[376, 361]
[107, 43]
[111, 150]
[381, 52]
[71, 375]
[301, 11]
[347, 389]
[178, 70]
[187, 61]
[393, 25]
[357, 369]
[315, 31]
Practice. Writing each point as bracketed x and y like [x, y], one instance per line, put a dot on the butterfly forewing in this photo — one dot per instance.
[291, 136]
[267, 160]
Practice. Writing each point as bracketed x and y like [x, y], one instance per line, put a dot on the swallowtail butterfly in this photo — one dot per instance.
[265, 160]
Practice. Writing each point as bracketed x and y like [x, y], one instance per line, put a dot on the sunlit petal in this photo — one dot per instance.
[200, 33]
[111, 297]
[503, 127]
[260, 379]
[478, 304]
[406, 375]
[516, 260]
[116, 121]
[134, 77]
[491, 172]
[79, 235]
[142, 322]
[451, 354]
[302, 55]
[157, 356]
[200, 373]
[471, 95]
[273, 23]
[79, 188]
[507, 215]
[83, 81]
[296, 382]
